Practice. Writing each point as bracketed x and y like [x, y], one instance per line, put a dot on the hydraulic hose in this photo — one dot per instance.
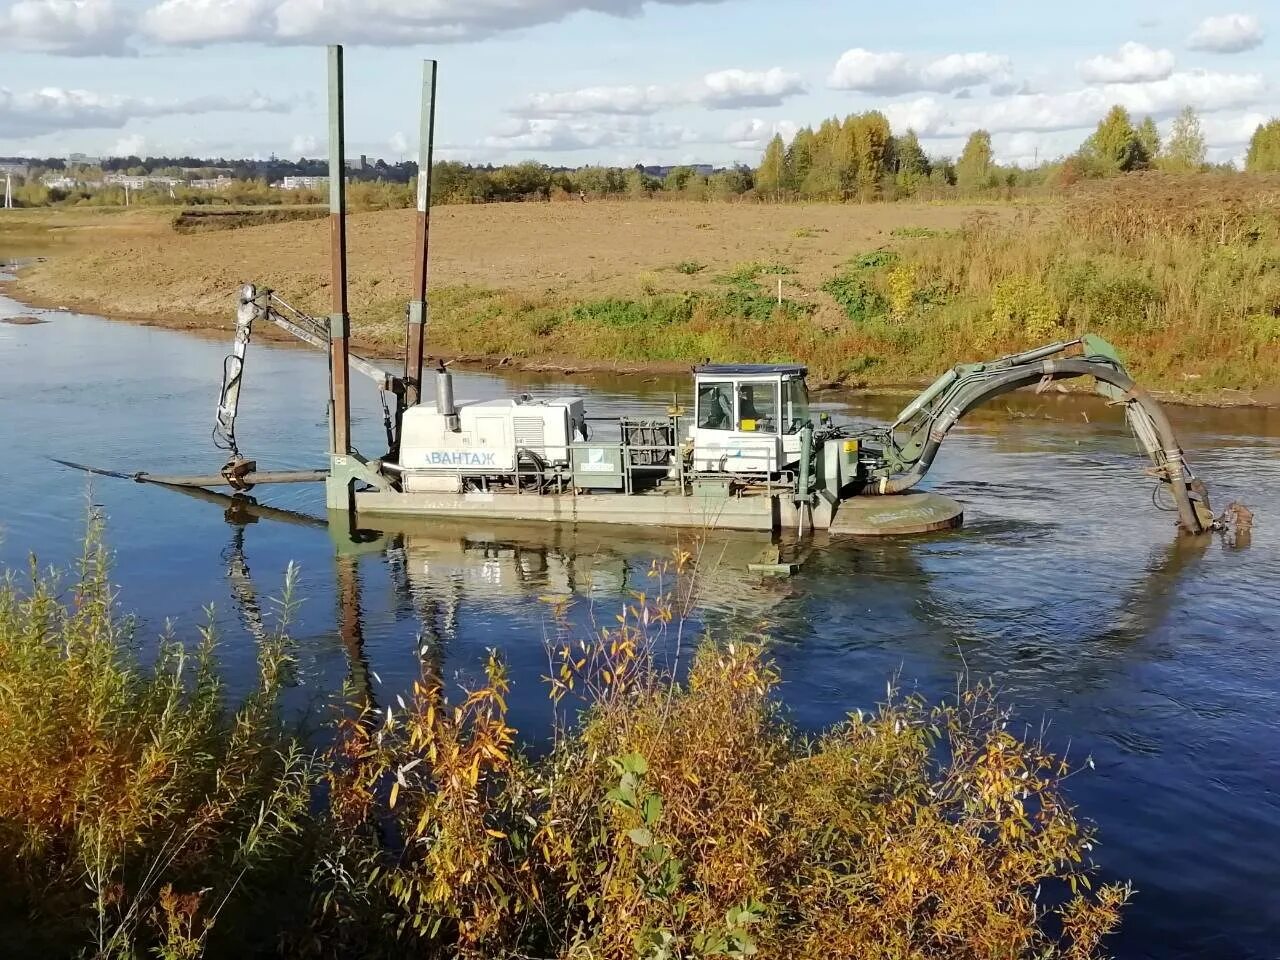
[972, 395]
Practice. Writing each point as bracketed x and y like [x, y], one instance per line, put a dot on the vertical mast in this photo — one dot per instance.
[418, 304]
[339, 323]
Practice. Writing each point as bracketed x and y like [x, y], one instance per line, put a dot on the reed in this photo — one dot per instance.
[136, 807]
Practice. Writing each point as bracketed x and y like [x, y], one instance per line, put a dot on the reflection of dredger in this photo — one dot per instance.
[510, 562]
[510, 569]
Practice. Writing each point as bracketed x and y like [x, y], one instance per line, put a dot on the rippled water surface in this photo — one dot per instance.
[1158, 657]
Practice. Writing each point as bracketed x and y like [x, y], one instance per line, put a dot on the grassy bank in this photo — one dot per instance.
[142, 814]
[1182, 273]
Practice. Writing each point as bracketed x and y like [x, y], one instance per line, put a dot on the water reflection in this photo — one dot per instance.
[1156, 655]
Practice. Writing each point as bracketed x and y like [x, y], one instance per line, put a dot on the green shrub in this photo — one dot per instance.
[874, 260]
[1103, 293]
[614, 312]
[1024, 306]
[856, 296]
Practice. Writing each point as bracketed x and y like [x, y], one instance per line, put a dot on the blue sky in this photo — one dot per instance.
[617, 81]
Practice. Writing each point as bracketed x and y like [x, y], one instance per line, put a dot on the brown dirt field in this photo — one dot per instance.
[137, 267]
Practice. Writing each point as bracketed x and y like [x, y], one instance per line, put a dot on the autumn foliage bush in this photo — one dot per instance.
[675, 814]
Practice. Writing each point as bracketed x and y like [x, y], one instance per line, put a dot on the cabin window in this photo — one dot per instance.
[715, 406]
[796, 401]
[758, 407]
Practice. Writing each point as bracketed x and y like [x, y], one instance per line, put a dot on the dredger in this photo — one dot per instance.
[743, 452]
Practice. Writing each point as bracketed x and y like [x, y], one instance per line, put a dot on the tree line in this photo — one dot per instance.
[857, 158]
[861, 158]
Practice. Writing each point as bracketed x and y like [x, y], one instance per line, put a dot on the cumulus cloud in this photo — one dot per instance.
[35, 112]
[1232, 130]
[71, 27]
[755, 134]
[382, 22]
[1231, 33]
[562, 134]
[868, 71]
[722, 90]
[1132, 63]
[193, 22]
[1069, 110]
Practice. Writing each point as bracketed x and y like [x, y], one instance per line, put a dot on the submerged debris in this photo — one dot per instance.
[1236, 524]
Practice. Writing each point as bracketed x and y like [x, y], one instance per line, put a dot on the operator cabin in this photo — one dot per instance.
[748, 417]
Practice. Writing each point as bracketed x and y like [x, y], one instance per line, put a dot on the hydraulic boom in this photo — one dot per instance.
[902, 453]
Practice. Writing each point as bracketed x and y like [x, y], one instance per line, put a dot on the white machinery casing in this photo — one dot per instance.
[490, 433]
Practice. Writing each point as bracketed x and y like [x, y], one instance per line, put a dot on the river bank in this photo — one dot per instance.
[382, 348]
[875, 296]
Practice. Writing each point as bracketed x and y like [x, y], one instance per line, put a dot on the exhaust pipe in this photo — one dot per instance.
[445, 405]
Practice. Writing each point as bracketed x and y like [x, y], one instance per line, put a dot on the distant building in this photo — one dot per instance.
[217, 183]
[58, 181]
[15, 168]
[83, 160]
[304, 183]
[142, 182]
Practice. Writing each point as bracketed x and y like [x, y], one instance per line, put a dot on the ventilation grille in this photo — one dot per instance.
[531, 433]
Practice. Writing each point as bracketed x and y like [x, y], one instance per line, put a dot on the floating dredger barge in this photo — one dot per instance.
[745, 454]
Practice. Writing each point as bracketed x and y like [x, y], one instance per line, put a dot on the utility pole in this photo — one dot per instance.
[8, 191]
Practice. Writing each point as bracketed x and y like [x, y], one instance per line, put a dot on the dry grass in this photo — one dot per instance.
[1181, 273]
[575, 252]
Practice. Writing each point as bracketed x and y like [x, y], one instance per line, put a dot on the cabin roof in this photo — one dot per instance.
[751, 369]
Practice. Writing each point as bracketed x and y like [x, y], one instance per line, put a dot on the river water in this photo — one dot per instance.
[1157, 657]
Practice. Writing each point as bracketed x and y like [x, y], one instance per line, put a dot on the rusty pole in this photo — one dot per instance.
[339, 323]
[416, 334]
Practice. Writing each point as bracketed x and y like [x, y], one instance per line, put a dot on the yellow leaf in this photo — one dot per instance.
[395, 792]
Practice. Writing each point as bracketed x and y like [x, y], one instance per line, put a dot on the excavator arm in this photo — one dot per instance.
[257, 305]
[906, 449]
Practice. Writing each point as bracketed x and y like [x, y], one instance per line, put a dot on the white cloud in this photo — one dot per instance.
[382, 22]
[1231, 33]
[37, 112]
[72, 27]
[721, 90]
[398, 144]
[1075, 109]
[1232, 130]
[755, 134]
[206, 21]
[559, 134]
[890, 73]
[1132, 63]
[630, 138]
[622, 100]
[134, 145]
[303, 145]
[732, 89]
